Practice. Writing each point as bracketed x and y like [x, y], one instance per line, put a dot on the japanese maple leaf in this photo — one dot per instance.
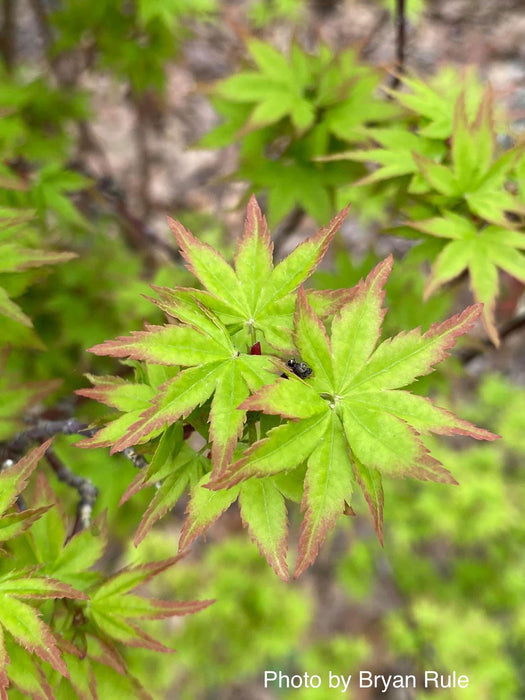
[350, 421]
[255, 297]
[481, 252]
[475, 175]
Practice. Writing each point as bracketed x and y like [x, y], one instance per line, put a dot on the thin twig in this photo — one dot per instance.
[13, 449]
[17, 445]
[86, 489]
[40, 432]
[400, 42]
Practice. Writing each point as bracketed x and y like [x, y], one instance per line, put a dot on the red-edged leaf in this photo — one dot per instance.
[290, 398]
[183, 304]
[38, 587]
[263, 510]
[118, 393]
[226, 418]
[380, 440]
[313, 343]
[176, 399]
[164, 499]
[328, 485]
[122, 631]
[135, 607]
[172, 454]
[14, 479]
[285, 447]
[371, 485]
[299, 265]
[164, 345]
[24, 624]
[130, 577]
[14, 524]
[210, 268]
[15, 258]
[204, 508]
[400, 360]
[356, 328]
[106, 653]
[420, 413]
[26, 674]
[254, 257]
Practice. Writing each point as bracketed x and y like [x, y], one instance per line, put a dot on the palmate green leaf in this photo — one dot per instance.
[357, 426]
[274, 92]
[112, 609]
[249, 294]
[434, 102]
[396, 155]
[192, 387]
[473, 176]
[208, 349]
[479, 251]
[255, 297]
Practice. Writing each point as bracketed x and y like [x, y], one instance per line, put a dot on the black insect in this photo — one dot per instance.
[300, 369]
